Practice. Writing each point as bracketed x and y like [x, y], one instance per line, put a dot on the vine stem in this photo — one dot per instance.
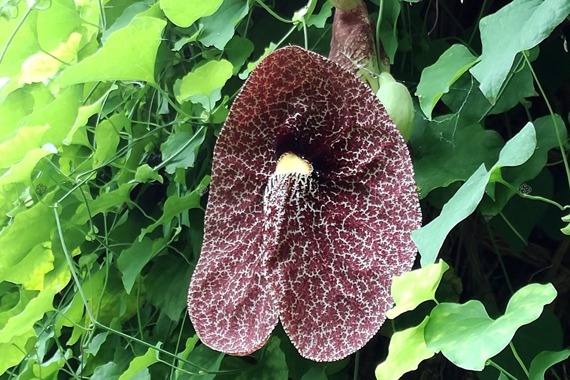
[518, 358]
[98, 324]
[551, 111]
[272, 13]
[501, 369]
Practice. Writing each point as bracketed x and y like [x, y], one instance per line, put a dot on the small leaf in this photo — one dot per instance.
[180, 149]
[476, 337]
[132, 260]
[128, 54]
[185, 13]
[437, 78]
[389, 27]
[273, 365]
[412, 288]
[107, 138]
[219, 28]
[545, 360]
[519, 149]
[145, 174]
[407, 349]
[203, 84]
[140, 364]
[518, 26]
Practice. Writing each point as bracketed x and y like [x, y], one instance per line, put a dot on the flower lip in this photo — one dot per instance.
[289, 162]
[315, 252]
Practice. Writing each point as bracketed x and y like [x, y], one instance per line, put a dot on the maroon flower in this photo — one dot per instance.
[310, 213]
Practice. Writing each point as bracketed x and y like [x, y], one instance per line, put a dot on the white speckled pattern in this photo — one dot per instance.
[316, 252]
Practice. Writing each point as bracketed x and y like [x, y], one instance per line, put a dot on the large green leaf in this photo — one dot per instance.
[132, 260]
[430, 237]
[519, 26]
[437, 78]
[407, 349]
[476, 337]
[128, 54]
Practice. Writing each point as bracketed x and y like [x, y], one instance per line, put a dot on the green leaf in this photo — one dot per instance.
[102, 203]
[208, 360]
[219, 28]
[519, 149]
[132, 260]
[450, 150]
[147, 174]
[167, 276]
[14, 247]
[180, 150]
[437, 78]
[407, 349]
[412, 288]
[238, 51]
[476, 337]
[430, 237]
[519, 26]
[273, 365]
[128, 54]
[545, 360]
[203, 84]
[319, 20]
[107, 138]
[31, 270]
[389, 27]
[140, 364]
[185, 13]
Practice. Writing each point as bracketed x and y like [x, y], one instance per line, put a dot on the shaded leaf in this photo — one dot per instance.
[272, 366]
[437, 78]
[219, 28]
[545, 360]
[519, 26]
[180, 149]
[132, 260]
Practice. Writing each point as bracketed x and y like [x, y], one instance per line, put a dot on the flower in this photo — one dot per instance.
[310, 213]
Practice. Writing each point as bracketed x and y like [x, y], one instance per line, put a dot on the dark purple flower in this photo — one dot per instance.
[310, 213]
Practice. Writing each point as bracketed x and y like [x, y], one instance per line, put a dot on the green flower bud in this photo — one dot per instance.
[398, 103]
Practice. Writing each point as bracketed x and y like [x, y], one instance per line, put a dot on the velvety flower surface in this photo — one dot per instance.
[315, 248]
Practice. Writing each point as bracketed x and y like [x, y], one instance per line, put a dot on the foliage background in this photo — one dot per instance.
[108, 116]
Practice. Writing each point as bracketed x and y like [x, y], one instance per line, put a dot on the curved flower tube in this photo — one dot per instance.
[311, 208]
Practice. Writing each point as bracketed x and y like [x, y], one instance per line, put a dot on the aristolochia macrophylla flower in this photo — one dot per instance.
[310, 213]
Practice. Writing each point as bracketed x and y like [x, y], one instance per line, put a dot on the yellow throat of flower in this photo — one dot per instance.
[291, 163]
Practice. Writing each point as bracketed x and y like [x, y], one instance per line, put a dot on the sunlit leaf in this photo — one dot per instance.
[476, 337]
[185, 13]
[107, 138]
[128, 54]
[203, 84]
[407, 349]
[412, 288]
